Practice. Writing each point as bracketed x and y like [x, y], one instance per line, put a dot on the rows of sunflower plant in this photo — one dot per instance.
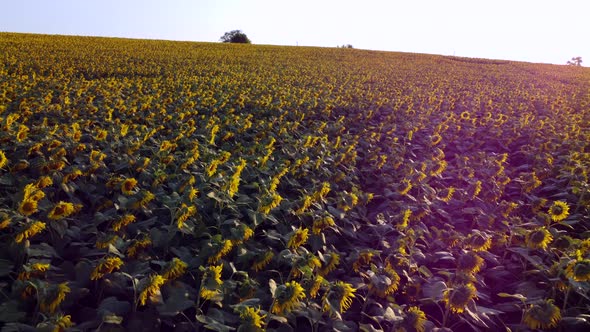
[176, 186]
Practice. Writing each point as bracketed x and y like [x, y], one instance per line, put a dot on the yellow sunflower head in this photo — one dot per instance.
[415, 319]
[27, 207]
[128, 185]
[479, 241]
[252, 318]
[3, 159]
[559, 211]
[298, 238]
[544, 315]
[384, 282]
[61, 210]
[538, 238]
[578, 270]
[469, 262]
[339, 297]
[287, 297]
[457, 298]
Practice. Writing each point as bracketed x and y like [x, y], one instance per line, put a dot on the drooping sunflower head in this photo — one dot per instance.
[61, 210]
[414, 320]
[211, 282]
[538, 238]
[252, 318]
[174, 269]
[479, 241]
[543, 315]
[339, 297]
[578, 270]
[54, 296]
[384, 282]
[563, 242]
[298, 238]
[559, 211]
[3, 159]
[457, 298]
[287, 297]
[469, 262]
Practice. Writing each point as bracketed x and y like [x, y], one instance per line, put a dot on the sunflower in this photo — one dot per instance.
[4, 221]
[563, 242]
[415, 319]
[62, 323]
[33, 229]
[105, 240]
[363, 260]
[270, 203]
[22, 133]
[435, 139]
[287, 297]
[538, 238]
[27, 207]
[174, 269]
[305, 264]
[106, 265]
[101, 135]
[479, 242]
[318, 281]
[151, 288]
[458, 297]
[251, 319]
[331, 260]
[320, 224]
[578, 270]
[223, 248]
[3, 159]
[543, 315]
[211, 282]
[405, 219]
[61, 210]
[34, 270]
[55, 296]
[406, 188]
[469, 262]
[235, 179]
[559, 211]
[339, 297]
[128, 185]
[184, 213]
[412, 290]
[43, 182]
[385, 282]
[137, 245]
[263, 262]
[298, 238]
[123, 221]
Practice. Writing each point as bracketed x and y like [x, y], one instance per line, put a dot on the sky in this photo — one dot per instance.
[523, 30]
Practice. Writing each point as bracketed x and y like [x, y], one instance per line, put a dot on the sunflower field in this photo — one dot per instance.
[177, 186]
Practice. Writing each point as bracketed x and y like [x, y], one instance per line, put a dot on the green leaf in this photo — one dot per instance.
[9, 312]
[516, 296]
[6, 267]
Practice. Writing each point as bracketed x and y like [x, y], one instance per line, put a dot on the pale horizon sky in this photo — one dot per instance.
[534, 31]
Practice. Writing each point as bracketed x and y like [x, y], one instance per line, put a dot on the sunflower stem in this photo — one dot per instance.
[445, 317]
[567, 294]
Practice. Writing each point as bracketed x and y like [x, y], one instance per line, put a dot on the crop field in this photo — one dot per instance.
[177, 186]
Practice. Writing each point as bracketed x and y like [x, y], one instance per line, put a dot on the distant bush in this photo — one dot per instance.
[575, 61]
[345, 46]
[235, 36]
